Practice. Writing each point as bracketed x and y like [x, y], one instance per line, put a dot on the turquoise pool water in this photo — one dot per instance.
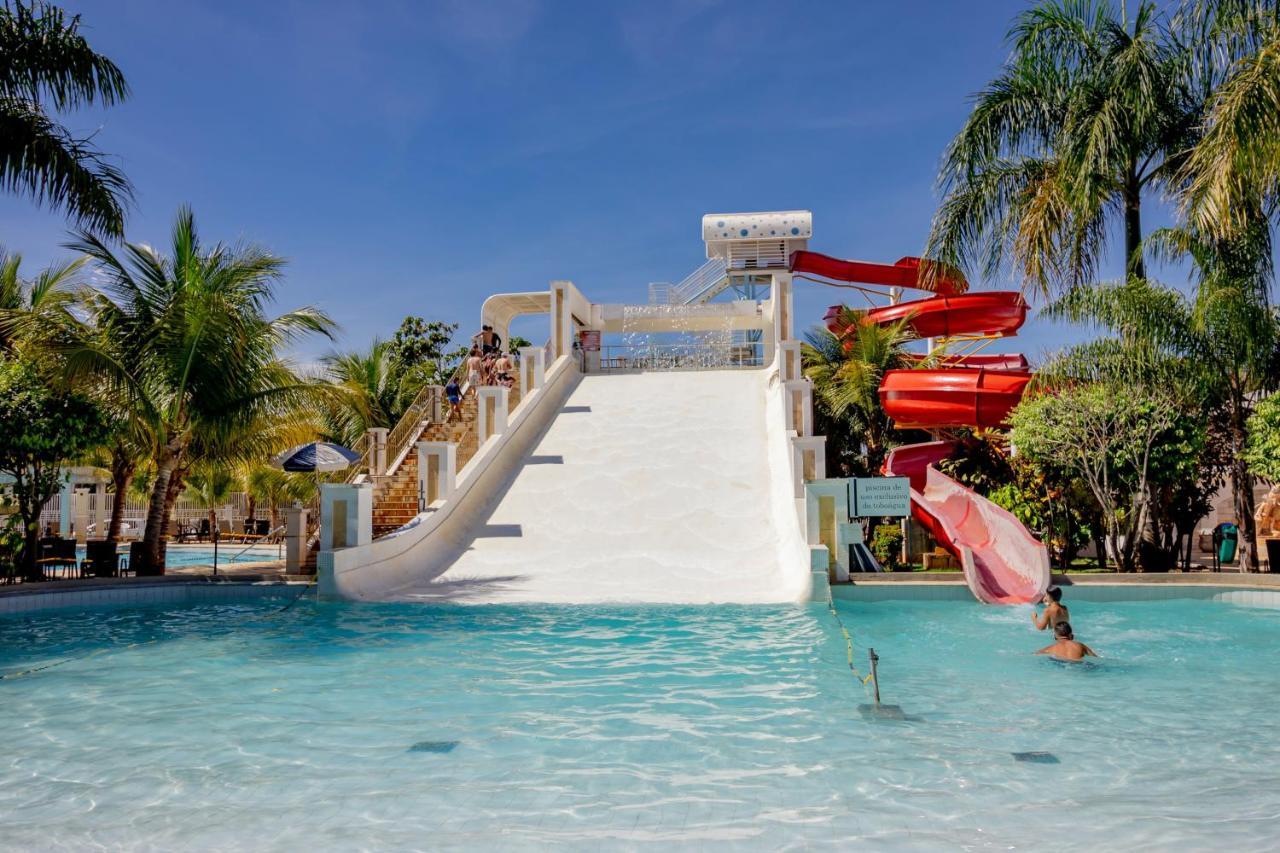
[242, 727]
[189, 555]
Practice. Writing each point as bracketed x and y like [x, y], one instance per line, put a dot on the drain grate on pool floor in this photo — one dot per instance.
[1036, 757]
[437, 746]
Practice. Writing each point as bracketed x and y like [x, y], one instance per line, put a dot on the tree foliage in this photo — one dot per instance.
[42, 426]
[48, 68]
[1119, 441]
[1262, 450]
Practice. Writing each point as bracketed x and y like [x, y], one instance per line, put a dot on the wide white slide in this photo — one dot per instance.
[646, 487]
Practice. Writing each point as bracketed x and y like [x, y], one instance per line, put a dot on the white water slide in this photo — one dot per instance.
[657, 487]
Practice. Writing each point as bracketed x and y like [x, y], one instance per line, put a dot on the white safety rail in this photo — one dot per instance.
[692, 356]
[701, 284]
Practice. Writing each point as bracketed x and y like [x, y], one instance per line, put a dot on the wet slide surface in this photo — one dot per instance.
[650, 487]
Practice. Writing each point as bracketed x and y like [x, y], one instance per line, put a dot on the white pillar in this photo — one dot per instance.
[533, 369]
[437, 472]
[808, 460]
[295, 540]
[346, 515]
[492, 416]
[81, 502]
[792, 368]
[828, 523]
[782, 307]
[799, 414]
[561, 319]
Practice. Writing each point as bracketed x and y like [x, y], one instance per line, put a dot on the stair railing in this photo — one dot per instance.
[698, 284]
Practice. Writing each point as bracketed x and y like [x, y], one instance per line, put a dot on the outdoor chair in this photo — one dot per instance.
[101, 560]
[57, 554]
[263, 528]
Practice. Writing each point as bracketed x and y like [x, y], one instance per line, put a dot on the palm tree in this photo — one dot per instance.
[184, 343]
[31, 309]
[1092, 112]
[1222, 345]
[276, 488]
[846, 371]
[368, 392]
[1234, 170]
[47, 67]
[210, 485]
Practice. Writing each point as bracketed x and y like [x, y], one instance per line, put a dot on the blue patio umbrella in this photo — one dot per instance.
[317, 457]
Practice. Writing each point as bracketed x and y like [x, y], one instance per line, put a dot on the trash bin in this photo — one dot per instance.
[1230, 537]
[1273, 554]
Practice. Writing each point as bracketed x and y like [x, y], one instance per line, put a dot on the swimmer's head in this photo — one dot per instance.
[1063, 631]
[1054, 594]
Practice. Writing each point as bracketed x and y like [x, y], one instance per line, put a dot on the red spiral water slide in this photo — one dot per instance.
[1002, 562]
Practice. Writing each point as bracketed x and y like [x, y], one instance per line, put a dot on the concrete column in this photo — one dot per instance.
[437, 472]
[561, 319]
[377, 442]
[808, 460]
[533, 369]
[492, 418]
[346, 515]
[436, 409]
[295, 540]
[782, 307]
[800, 406]
[98, 514]
[791, 366]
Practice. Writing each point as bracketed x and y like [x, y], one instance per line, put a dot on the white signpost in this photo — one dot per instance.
[880, 496]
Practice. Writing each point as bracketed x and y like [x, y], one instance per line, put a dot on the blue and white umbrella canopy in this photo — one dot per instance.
[317, 456]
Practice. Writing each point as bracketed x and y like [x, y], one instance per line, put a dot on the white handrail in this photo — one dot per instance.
[699, 283]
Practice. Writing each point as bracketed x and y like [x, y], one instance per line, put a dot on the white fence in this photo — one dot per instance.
[186, 511]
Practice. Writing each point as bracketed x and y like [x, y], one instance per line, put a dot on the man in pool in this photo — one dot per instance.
[1054, 611]
[1066, 647]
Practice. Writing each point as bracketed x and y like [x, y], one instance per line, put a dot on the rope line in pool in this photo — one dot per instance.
[9, 676]
[848, 640]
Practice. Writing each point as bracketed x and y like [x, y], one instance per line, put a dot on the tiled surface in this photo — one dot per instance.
[1082, 592]
[135, 594]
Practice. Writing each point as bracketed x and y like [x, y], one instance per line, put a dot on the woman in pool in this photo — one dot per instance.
[1065, 646]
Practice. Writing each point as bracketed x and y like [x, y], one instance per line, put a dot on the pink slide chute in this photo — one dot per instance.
[1002, 562]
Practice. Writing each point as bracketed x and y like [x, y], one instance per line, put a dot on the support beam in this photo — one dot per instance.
[800, 407]
[809, 461]
[346, 515]
[792, 368]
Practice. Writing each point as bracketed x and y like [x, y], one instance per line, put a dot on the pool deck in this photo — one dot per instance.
[1238, 579]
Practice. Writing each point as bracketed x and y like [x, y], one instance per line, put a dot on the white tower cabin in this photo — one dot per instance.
[739, 245]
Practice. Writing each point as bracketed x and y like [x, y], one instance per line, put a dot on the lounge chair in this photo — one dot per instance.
[57, 554]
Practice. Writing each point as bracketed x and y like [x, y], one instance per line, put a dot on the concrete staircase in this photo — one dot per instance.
[395, 497]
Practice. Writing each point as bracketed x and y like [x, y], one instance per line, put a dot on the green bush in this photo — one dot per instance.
[886, 545]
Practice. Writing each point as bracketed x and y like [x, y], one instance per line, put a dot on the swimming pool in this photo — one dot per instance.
[202, 555]
[392, 726]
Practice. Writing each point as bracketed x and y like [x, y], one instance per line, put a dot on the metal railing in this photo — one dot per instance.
[692, 356]
[360, 467]
[699, 284]
[413, 421]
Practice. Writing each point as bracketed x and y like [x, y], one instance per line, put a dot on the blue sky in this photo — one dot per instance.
[413, 157]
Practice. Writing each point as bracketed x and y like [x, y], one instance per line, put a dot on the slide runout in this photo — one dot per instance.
[648, 487]
[1002, 562]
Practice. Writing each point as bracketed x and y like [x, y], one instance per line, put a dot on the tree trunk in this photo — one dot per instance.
[177, 481]
[1134, 264]
[1242, 495]
[122, 468]
[153, 538]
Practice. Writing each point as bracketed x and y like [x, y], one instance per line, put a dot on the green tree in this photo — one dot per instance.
[1110, 436]
[276, 488]
[1262, 449]
[184, 343]
[1221, 346]
[1093, 112]
[48, 68]
[1234, 169]
[41, 427]
[368, 392]
[418, 341]
[34, 309]
[210, 486]
[846, 371]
